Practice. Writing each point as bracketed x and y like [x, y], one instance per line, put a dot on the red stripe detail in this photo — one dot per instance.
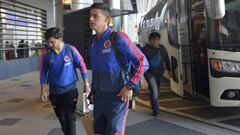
[135, 52]
[140, 58]
[140, 70]
[83, 67]
[124, 119]
[41, 62]
[116, 133]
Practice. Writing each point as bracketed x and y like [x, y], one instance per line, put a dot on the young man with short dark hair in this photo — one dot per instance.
[57, 68]
[110, 87]
[157, 56]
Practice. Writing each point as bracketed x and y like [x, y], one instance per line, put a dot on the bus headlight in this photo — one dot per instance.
[231, 67]
[226, 66]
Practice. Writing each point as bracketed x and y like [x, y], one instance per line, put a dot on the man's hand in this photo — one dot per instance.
[125, 94]
[86, 89]
[43, 95]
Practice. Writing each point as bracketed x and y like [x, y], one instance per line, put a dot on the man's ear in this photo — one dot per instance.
[108, 18]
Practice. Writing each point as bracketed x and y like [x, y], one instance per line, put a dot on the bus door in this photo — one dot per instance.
[199, 49]
[174, 49]
[184, 46]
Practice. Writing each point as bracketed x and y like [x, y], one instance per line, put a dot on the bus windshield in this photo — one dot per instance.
[225, 32]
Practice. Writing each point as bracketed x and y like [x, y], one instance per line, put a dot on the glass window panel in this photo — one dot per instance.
[5, 5]
[21, 37]
[7, 26]
[32, 20]
[21, 32]
[172, 26]
[22, 22]
[32, 25]
[9, 16]
[39, 34]
[20, 28]
[32, 33]
[20, 14]
[18, 9]
[32, 16]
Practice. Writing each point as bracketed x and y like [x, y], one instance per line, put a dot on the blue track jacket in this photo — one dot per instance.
[59, 70]
[107, 76]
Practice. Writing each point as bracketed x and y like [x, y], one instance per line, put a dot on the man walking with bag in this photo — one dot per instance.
[157, 57]
[110, 88]
[57, 67]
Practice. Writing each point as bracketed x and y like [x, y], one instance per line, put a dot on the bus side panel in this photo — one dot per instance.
[183, 39]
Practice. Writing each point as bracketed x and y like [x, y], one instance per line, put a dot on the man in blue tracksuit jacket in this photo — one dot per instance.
[57, 68]
[111, 90]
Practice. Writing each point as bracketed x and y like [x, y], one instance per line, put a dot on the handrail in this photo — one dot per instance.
[24, 48]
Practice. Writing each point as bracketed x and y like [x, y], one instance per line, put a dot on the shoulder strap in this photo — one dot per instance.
[70, 52]
[48, 54]
[113, 39]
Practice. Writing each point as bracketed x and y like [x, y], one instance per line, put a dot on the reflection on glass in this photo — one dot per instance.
[172, 26]
[225, 33]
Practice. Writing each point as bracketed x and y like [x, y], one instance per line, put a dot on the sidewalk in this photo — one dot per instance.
[22, 113]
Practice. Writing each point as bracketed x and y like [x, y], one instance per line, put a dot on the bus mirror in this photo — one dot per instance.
[215, 8]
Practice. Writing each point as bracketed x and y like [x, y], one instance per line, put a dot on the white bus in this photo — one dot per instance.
[202, 38]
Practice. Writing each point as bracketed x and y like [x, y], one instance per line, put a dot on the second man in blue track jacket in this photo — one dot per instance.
[57, 68]
[111, 89]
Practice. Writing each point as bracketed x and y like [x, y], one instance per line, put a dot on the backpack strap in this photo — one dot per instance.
[48, 53]
[70, 52]
[113, 39]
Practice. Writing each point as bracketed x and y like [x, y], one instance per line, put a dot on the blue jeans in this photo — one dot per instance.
[64, 106]
[153, 86]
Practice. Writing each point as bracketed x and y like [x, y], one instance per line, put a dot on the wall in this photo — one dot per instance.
[16, 67]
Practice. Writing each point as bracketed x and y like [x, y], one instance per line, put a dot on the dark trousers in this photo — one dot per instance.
[64, 106]
[153, 86]
[109, 114]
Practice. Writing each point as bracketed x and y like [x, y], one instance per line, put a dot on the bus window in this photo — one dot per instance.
[172, 25]
[225, 32]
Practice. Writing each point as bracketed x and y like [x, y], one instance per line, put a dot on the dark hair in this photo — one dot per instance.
[153, 35]
[102, 6]
[53, 32]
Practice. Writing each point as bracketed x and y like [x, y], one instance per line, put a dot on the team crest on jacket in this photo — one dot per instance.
[107, 44]
[66, 59]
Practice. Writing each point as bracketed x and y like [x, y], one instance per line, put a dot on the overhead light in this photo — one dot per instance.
[67, 4]
[67, 1]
